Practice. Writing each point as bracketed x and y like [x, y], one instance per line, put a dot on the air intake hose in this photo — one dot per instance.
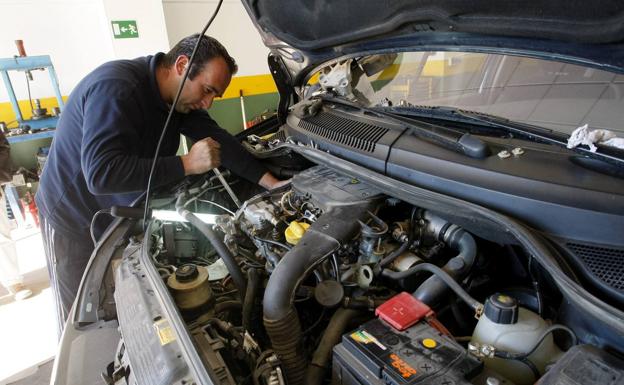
[433, 289]
[281, 321]
[217, 243]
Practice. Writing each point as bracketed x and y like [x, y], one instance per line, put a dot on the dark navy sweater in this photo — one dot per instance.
[105, 142]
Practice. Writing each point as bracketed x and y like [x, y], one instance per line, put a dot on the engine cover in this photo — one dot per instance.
[327, 189]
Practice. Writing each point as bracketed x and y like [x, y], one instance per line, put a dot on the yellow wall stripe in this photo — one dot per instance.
[250, 85]
[7, 115]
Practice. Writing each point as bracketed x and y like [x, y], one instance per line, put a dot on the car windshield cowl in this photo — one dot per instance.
[473, 146]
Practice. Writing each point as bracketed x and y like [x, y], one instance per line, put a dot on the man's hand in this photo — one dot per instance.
[204, 156]
[269, 182]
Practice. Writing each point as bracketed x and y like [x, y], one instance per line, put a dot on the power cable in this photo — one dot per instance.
[171, 110]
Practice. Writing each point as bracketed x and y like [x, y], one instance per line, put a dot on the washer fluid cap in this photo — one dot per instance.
[501, 309]
[186, 273]
[295, 231]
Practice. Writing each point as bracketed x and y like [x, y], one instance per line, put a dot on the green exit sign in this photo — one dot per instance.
[125, 29]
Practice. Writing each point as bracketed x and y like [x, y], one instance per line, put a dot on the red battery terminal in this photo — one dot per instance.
[404, 310]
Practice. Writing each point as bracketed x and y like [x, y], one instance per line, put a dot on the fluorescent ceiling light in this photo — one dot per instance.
[173, 216]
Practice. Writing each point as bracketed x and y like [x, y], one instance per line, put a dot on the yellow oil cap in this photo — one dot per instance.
[429, 343]
[295, 231]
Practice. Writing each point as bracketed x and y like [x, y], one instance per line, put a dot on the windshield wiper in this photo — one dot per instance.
[526, 131]
[461, 142]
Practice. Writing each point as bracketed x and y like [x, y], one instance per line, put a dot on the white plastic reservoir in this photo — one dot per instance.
[514, 329]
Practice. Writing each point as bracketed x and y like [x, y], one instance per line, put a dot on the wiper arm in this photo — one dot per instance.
[463, 143]
[607, 154]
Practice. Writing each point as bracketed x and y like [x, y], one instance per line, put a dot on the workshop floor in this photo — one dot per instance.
[27, 328]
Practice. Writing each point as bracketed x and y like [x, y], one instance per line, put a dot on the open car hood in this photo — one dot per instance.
[307, 33]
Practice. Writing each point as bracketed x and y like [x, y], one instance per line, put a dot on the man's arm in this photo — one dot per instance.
[111, 125]
[198, 125]
[269, 182]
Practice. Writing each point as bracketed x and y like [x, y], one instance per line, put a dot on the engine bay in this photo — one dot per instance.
[330, 279]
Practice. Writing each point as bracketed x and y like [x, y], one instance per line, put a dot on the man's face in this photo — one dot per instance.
[208, 84]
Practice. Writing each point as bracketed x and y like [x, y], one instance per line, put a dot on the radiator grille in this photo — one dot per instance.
[605, 263]
[352, 133]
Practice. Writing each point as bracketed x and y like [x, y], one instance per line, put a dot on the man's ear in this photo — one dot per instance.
[180, 64]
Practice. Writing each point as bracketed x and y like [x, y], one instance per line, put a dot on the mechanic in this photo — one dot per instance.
[105, 141]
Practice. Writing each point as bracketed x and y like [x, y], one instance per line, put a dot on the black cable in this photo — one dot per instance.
[536, 287]
[530, 365]
[443, 275]
[171, 110]
[336, 267]
[518, 356]
[92, 227]
[276, 243]
[315, 324]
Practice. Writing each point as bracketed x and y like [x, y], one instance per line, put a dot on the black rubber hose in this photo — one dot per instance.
[250, 297]
[393, 255]
[443, 276]
[331, 337]
[217, 244]
[363, 303]
[433, 289]
[228, 306]
[321, 240]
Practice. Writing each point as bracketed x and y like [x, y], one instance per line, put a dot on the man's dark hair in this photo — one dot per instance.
[209, 48]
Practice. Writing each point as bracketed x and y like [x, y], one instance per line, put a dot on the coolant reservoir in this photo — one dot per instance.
[508, 327]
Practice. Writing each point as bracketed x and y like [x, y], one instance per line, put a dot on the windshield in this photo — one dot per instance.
[545, 93]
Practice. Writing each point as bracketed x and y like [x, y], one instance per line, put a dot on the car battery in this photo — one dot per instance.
[387, 351]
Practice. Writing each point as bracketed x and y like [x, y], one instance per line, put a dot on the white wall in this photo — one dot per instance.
[77, 34]
[150, 23]
[232, 27]
[72, 32]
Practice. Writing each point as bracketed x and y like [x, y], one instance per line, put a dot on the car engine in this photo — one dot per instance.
[330, 279]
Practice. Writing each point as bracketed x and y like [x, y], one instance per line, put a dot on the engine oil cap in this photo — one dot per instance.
[295, 231]
[501, 309]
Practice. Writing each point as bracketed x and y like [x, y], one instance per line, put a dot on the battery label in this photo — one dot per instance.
[364, 337]
[401, 366]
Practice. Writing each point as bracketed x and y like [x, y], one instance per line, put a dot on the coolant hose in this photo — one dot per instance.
[228, 259]
[220, 307]
[250, 297]
[331, 337]
[433, 289]
[444, 278]
[281, 321]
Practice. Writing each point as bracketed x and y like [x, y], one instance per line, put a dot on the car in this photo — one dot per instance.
[437, 229]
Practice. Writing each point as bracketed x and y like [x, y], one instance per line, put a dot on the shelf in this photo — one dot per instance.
[27, 137]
